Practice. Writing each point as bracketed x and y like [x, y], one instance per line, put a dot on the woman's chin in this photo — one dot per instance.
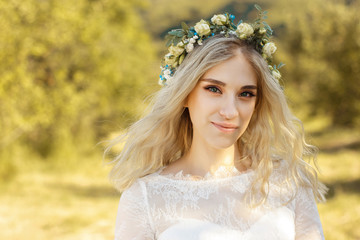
[221, 144]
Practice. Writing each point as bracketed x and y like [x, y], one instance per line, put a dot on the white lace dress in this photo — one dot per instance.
[177, 207]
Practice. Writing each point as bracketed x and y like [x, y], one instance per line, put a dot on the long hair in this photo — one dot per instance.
[165, 133]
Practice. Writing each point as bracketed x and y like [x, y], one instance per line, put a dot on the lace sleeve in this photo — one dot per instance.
[307, 220]
[132, 222]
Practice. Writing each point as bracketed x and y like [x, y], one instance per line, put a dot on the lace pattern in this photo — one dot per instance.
[177, 207]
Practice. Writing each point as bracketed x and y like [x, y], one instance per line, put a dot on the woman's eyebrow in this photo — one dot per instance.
[249, 87]
[214, 81]
[220, 83]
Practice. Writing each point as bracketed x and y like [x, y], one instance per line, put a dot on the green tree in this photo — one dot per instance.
[323, 55]
[66, 66]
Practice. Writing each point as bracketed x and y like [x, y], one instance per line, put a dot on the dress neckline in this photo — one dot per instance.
[222, 173]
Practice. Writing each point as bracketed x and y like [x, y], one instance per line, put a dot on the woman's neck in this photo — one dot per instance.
[202, 159]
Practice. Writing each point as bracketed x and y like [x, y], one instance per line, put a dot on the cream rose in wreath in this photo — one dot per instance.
[202, 28]
[219, 19]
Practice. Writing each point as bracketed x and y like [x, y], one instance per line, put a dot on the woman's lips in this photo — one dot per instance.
[225, 127]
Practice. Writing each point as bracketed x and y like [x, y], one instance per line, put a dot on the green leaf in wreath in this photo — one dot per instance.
[280, 65]
[258, 7]
[184, 26]
[181, 59]
[176, 41]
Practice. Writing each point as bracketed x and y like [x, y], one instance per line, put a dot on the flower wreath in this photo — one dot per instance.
[180, 42]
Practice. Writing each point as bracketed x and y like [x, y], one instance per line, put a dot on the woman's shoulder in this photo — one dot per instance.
[138, 190]
[142, 183]
[283, 178]
[283, 170]
[134, 190]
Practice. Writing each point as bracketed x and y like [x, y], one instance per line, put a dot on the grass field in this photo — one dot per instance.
[48, 204]
[340, 165]
[44, 202]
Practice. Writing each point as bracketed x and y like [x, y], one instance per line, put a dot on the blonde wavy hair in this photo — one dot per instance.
[165, 133]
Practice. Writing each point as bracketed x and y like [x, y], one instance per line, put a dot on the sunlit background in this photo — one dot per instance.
[74, 73]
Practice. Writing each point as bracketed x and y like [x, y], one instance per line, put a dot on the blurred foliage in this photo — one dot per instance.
[321, 48]
[65, 67]
[165, 14]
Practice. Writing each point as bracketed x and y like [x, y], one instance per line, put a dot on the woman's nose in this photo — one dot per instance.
[229, 108]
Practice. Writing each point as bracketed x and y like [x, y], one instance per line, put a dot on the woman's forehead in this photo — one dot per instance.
[234, 71]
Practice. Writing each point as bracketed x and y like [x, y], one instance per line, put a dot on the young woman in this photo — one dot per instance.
[219, 156]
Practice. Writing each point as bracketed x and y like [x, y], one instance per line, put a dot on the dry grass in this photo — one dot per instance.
[340, 215]
[50, 205]
[339, 161]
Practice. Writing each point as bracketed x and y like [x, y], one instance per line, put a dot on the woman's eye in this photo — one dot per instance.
[213, 89]
[247, 94]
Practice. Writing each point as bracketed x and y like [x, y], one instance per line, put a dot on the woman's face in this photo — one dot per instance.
[222, 103]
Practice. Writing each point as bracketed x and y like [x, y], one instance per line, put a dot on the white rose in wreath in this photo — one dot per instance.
[244, 30]
[175, 50]
[219, 19]
[189, 47]
[276, 74]
[269, 49]
[202, 28]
